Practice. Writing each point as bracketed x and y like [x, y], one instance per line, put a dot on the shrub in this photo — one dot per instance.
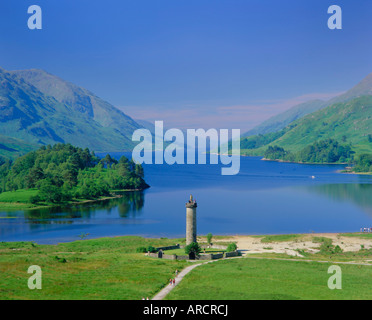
[193, 247]
[209, 238]
[61, 260]
[150, 249]
[231, 247]
[327, 247]
[141, 250]
[35, 199]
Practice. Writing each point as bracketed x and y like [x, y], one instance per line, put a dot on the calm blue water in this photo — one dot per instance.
[265, 198]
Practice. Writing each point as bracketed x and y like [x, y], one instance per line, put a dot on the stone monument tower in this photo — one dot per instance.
[191, 221]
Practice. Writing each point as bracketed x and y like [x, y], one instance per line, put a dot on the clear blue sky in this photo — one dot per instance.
[210, 63]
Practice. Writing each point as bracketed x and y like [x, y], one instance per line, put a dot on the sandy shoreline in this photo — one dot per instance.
[253, 244]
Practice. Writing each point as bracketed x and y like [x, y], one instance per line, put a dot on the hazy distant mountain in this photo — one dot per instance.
[349, 122]
[281, 120]
[346, 118]
[147, 125]
[37, 108]
[363, 88]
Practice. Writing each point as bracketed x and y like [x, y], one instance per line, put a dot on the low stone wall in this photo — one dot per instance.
[170, 256]
[205, 257]
[208, 256]
[182, 257]
[168, 248]
[231, 254]
[217, 256]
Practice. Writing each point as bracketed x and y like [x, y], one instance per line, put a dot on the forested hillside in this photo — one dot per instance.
[348, 123]
[280, 121]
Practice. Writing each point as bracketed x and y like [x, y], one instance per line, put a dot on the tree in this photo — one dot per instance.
[138, 170]
[70, 177]
[193, 247]
[49, 192]
[209, 238]
[151, 249]
[35, 174]
[108, 161]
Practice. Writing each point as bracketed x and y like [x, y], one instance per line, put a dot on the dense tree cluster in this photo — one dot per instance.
[363, 163]
[276, 153]
[63, 172]
[325, 151]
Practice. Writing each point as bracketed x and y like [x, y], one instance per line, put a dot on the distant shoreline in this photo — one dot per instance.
[297, 162]
[221, 238]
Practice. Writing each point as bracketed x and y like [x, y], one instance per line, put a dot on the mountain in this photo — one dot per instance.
[363, 88]
[348, 122]
[37, 108]
[146, 125]
[281, 120]
[11, 148]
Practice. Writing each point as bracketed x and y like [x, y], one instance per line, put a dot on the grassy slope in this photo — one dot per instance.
[271, 279]
[352, 119]
[12, 148]
[280, 121]
[104, 268]
[20, 199]
[34, 117]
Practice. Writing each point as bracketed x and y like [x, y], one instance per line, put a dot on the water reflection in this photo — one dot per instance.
[358, 194]
[129, 205]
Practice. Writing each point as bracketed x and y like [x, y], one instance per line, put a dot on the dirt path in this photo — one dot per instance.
[161, 295]
[250, 244]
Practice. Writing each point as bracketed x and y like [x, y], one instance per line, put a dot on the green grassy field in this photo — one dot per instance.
[266, 279]
[358, 235]
[19, 196]
[106, 268]
[281, 238]
[110, 268]
[21, 199]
